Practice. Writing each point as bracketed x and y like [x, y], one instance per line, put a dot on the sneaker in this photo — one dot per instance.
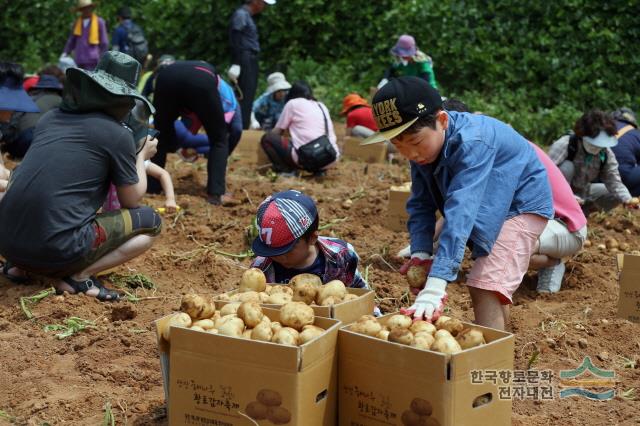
[405, 252]
[550, 279]
[188, 155]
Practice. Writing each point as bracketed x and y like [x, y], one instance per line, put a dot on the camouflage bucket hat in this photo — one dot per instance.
[117, 73]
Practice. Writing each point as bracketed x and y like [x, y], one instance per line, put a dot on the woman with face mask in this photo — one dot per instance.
[408, 60]
[589, 165]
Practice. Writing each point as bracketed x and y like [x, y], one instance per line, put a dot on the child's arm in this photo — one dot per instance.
[164, 177]
[422, 214]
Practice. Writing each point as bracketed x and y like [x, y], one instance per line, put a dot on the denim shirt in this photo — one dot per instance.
[486, 174]
[267, 110]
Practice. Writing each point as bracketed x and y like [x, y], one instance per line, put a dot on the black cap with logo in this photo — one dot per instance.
[399, 103]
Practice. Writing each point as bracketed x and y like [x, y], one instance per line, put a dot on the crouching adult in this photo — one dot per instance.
[49, 223]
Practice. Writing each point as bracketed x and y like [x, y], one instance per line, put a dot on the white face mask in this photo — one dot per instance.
[404, 61]
[591, 149]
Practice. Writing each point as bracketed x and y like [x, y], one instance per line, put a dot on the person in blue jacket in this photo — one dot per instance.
[484, 178]
[628, 149]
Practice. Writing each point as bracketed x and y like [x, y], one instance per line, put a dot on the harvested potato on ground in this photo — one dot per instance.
[256, 410]
[612, 243]
[249, 296]
[286, 336]
[278, 415]
[281, 288]
[279, 298]
[296, 315]
[416, 276]
[442, 333]
[250, 313]
[304, 291]
[349, 297]
[423, 341]
[197, 306]
[196, 328]
[253, 279]
[453, 326]
[421, 406]
[440, 321]
[401, 335]
[233, 327]
[205, 324]
[335, 288]
[262, 332]
[229, 308]
[181, 319]
[269, 397]
[330, 301]
[370, 327]
[398, 321]
[470, 338]
[624, 247]
[446, 345]
[309, 332]
[383, 334]
[420, 326]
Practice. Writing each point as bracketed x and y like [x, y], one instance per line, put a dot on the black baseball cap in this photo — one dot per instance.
[399, 103]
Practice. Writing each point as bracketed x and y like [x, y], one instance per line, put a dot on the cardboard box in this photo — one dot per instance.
[375, 153]
[397, 215]
[211, 378]
[379, 380]
[249, 147]
[346, 312]
[629, 279]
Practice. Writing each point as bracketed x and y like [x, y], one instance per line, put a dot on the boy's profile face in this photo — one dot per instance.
[298, 257]
[424, 146]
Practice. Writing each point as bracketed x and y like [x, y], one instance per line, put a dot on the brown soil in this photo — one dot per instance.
[50, 381]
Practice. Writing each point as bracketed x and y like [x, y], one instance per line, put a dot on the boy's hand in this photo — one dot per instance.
[170, 206]
[150, 148]
[430, 301]
[416, 270]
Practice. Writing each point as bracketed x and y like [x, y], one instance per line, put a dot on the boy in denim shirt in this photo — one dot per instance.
[288, 243]
[486, 181]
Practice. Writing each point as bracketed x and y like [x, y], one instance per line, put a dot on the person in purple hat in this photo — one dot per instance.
[288, 243]
[408, 60]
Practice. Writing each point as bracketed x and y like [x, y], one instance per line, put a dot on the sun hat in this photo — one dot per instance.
[117, 73]
[625, 114]
[270, 2]
[601, 140]
[282, 219]
[405, 46]
[399, 103]
[48, 82]
[14, 98]
[352, 100]
[81, 4]
[277, 81]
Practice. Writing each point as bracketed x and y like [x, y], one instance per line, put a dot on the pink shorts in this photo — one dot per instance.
[502, 270]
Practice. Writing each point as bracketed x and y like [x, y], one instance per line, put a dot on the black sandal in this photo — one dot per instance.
[16, 279]
[104, 294]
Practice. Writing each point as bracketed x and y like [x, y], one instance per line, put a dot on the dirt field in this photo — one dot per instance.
[45, 380]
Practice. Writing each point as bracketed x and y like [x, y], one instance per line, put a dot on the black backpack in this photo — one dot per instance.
[137, 44]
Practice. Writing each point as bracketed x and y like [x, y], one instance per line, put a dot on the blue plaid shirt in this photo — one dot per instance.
[341, 263]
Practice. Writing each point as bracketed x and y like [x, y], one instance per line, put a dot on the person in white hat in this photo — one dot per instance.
[88, 39]
[268, 107]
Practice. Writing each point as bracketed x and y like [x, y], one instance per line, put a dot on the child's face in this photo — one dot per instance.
[298, 257]
[424, 146]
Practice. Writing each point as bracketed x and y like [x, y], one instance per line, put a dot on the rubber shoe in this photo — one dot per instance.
[405, 252]
[188, 155]
[550, 279]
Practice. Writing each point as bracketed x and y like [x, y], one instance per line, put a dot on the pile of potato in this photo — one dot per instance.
[307, 288]
[448, 335]
[246, 320]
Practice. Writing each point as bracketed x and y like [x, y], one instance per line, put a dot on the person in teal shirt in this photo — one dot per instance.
[409, 61]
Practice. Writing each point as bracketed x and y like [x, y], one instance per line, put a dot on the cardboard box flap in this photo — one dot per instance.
[345, 311]
[324, 346]
[161, 324]
[628, 264]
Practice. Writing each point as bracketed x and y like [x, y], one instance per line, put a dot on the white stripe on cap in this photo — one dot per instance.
[292, 211]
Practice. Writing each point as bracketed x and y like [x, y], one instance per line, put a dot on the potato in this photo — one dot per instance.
[309, 332]
[416, 276]
[278, 415]
[304, 292]
[218, 323]
[181, 319]
[587, 244]
[197, 306]
[196, 328]
[262, 332]
[334, 288]
[330, 301]
[420, 326]
[275, 326]
[281, 288]
[235, 297]
[612, 243]
[224, 297]
[266, 319]
[253, 279]
[250, 313]
[401, 335]
[446, 345]
[367, 317]
[212, 331]
[442, 333]
[233, 327]
[264, 297]
[249, 296]
[269, 397]
[267, 288]
[205, 324]
[279, 298]
[470, 338]
[398, 321]
[440, 322]
[453, 326]
[256, 410]
[349, 297]
[370, 327]
[286, 336]
[424, 341]
[421, 406]
[624, 247]
[229, 308]
[383, 335]
[247, 333]
[216, 316]
[296, 315]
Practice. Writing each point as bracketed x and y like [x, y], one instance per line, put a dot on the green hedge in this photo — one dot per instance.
[537, 65]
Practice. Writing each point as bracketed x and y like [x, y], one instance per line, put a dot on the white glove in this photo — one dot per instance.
[382, 83]
[234, 72]
[63, 55]
[580, 200]
[255, 125]
[430, 301]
